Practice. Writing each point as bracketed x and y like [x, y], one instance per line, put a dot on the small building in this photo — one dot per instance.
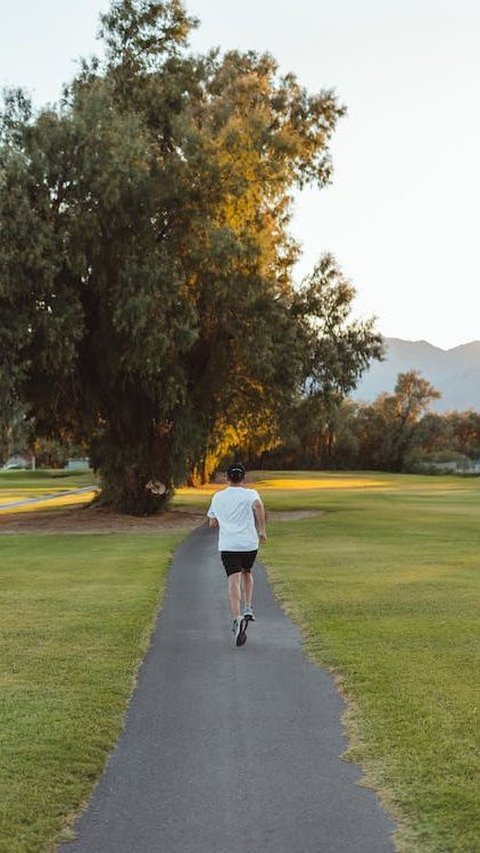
[472, 467]
[79, 464]
[20, 461]
[455, 466]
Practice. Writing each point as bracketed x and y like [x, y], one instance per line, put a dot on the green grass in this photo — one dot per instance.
[23, 485]
[385, 584]
[76, 614]
[384, 581]
[45, 480]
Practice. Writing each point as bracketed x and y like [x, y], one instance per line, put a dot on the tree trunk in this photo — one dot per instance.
[134, 491]
[135, 477]
[199, 473]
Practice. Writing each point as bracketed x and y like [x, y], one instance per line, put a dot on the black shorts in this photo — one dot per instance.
[238, 561]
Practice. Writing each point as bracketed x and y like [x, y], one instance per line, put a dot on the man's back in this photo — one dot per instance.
[233, 509]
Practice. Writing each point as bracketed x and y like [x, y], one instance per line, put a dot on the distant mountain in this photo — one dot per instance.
[454, 372]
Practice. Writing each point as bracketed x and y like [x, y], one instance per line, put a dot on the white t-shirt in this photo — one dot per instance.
[233, 509]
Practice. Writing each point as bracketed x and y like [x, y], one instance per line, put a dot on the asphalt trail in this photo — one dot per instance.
[229, 750]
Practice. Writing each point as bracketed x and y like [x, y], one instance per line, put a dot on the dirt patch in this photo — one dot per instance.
[292, 515]
[96, 520]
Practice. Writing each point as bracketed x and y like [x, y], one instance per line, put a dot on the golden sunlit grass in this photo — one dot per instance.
[314, 480]
[283, 487]
[17, 495]
[32, 491]
[209, 489]
[307, 483]
[25, 485]
[50, 503]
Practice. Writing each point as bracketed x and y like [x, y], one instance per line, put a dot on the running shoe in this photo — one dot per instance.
[239, 631]
[248, 613]
[236, 628]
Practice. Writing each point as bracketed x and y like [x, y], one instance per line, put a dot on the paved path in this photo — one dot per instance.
[229, 750]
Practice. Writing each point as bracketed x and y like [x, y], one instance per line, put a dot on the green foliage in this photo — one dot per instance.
[376, 436]
[145, 259]
[395, 416]
[335, 351]
[55, 452]
[418, 461]
[463, 428]
[395, 432]
[15, 429]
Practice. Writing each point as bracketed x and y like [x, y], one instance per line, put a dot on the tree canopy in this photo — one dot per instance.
[146, 294]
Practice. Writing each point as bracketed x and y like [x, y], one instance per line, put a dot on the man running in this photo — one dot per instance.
[239, 514]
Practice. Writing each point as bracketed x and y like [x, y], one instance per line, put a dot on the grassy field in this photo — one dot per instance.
[24, 485]
[385, 583]
[384, 580]
[75, 619]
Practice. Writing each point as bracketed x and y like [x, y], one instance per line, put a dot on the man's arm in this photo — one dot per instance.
[259, 511]
[212, 518]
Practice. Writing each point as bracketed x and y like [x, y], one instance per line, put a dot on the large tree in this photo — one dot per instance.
[336, 350]
[390, 427]
[145, 259]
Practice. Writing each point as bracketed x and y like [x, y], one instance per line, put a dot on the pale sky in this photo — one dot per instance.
[402, 213]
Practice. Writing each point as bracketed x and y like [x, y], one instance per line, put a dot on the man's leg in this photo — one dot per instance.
[247, 578]
[235, 593]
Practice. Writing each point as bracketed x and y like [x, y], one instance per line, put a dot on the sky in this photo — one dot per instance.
[401, 215]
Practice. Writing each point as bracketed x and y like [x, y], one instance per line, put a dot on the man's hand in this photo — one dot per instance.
[262, 537]
[212, 522]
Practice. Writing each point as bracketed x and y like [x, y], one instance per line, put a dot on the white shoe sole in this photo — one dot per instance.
[240, 633]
